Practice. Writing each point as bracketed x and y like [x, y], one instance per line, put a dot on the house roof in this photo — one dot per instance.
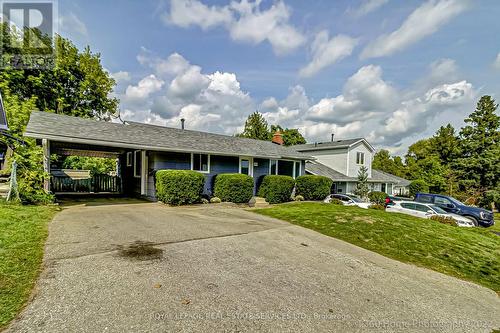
[45, 125]
[378, 176]
[347, 143]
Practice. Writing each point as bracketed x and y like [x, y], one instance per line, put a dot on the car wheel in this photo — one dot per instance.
[474, 220]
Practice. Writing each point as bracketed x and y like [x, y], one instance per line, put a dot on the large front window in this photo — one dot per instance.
[201, 162]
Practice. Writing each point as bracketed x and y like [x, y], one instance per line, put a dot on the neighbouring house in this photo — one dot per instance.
[142, 149]
[341, 161]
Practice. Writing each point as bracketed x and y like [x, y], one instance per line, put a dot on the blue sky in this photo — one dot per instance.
[388, 70]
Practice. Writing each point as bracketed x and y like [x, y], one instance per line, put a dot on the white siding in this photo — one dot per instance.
[353, 168]
[333, 158]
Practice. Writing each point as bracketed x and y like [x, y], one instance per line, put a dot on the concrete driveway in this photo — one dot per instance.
[131, 266]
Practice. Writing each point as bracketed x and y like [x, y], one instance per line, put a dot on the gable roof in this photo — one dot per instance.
[333, 145]
[378, 176]
[45, 125]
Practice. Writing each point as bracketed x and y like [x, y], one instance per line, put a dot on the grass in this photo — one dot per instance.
[471, 254]
[23, 230]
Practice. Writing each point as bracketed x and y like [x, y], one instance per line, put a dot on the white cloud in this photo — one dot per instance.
[422, 22]
[366, 7]
[144, 88]
[186, 13]
[496, 63]
[189, 84]
[71, 24]
[244, 20]
[326, 51]
[121, 76]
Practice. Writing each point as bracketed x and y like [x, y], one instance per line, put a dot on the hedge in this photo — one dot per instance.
[377, 197]
[233, 187]
[179, 187]
[277, 189]
[313, 187]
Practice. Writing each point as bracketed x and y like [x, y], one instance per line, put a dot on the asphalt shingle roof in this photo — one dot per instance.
[326, 145]
[378, 176]
[151, 137]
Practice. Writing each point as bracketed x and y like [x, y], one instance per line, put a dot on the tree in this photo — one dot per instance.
[77, 85]
[362, 189]
[256, 127]
[96, 165]
[480, 144]
[418, 186]
[291, 136]
[382, 160]
[446, 144]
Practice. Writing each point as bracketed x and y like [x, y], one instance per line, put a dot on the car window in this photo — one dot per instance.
[356, 199]
[421, 208]
[441, 201]
[408, 205]
[438, 209]
[425, 198]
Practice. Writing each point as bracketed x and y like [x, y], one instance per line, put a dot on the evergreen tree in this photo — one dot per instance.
[446, 144]
[256, 127]
[362, 189]
[480, 145]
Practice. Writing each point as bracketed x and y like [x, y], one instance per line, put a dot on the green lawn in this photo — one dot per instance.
[23, 230]
[471, 254]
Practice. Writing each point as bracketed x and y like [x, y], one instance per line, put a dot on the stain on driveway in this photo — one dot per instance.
[135, 266]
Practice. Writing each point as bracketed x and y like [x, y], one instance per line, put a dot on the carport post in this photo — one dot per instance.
[46, 163]
[144, 172]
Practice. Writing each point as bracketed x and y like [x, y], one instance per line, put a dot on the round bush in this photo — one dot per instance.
[179, 187]
[298, 198]
[417, 186]
[233, 187]
[444, 220]
[277, 189]
[215, 200]
[313, 187]
[377, 197]
[377, 207]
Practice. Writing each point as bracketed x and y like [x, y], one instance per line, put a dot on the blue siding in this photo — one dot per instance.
[259, 171]
[176, 161]
[220, 164]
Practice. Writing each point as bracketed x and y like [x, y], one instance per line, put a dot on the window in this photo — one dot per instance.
[383, 188]
[285, 168]
[129, 159]
[422, 208]
[137, 163]
[245, 166]
[360, 158]
[273, 167]
[441, 201]
[425, 198]
[408, 205]
[200, 162]
[297, 169]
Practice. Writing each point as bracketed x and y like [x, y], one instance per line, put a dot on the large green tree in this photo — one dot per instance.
[256, 127]
[382, 160]
[480, 146]
[446, 144]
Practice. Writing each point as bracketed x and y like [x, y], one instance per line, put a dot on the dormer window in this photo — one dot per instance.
[360, 158]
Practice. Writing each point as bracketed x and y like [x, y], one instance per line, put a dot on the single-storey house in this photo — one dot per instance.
[142, 149]
[341, 161]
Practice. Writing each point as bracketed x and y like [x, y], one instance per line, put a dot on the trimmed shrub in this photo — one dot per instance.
[298, 198]
[377, 197]
[277, 189]
[313, 187]
[215, 200]
[377, 207]
[444, 220]
[233, 187]
[417, 186]
[179, 187]
[204, 201]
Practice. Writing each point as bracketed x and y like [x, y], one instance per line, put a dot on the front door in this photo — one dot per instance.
[246, 165]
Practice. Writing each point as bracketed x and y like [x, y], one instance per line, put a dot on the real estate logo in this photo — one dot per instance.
[28, 29]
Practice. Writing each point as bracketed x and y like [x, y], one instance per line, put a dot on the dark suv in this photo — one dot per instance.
[479, 216]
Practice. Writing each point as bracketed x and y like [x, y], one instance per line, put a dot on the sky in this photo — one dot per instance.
[391, 71]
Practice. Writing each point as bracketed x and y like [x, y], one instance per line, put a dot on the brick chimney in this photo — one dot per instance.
[278, 138]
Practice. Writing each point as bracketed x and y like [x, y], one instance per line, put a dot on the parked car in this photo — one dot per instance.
[479, 216]
[389, 200]
[348, 200]
[426, 211]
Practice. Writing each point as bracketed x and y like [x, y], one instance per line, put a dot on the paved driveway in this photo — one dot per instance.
[133, 267]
